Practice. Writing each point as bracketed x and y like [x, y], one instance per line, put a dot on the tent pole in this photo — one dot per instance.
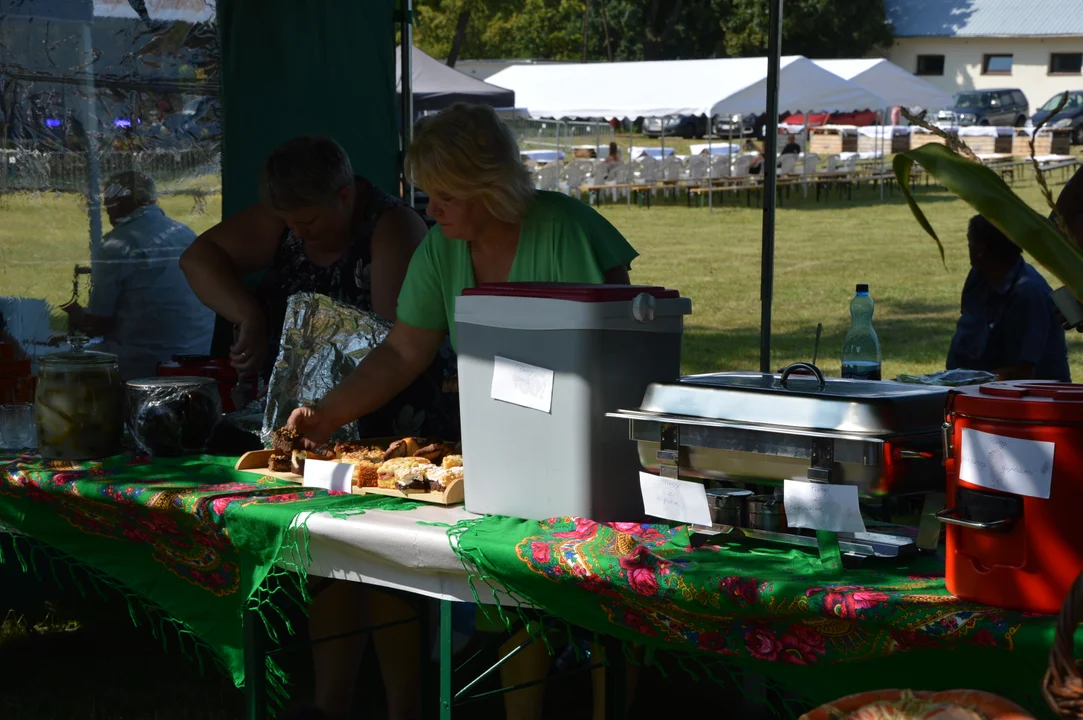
[406, 92]
[93, 150]
[631, 126]
[770, 182]
[883, 117]
[710, 168]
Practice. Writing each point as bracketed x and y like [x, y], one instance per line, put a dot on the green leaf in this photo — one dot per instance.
[986, 192]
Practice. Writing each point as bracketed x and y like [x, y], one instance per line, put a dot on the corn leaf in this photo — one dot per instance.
[986, 192]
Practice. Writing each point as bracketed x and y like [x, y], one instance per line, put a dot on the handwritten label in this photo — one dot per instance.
[678, 500]
[1022, 467]
[521, 384]
[329, 475]
[821, 506]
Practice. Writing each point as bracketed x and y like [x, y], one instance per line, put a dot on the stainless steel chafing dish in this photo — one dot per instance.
[762, 429]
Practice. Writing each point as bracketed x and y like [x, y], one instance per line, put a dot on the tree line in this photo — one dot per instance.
[614, 30]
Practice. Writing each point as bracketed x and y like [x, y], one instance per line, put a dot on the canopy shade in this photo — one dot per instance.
[436, 85]
[722, 87]
[885, 78]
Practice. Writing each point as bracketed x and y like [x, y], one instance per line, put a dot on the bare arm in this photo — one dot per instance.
[216, 262]
[215, 265]
[394, 241]
[383, 374]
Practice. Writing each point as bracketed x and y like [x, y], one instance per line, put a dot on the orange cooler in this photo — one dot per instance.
[1015, 493]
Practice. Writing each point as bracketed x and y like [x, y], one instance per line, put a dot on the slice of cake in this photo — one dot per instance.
[441, 477]
[452, 461]
[385, 476]
[412, 479]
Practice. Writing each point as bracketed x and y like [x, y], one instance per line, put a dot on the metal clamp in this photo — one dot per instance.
[948, 516]
[946, 431]
[789, 370]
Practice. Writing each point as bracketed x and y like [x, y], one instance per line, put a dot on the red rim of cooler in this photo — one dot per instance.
[570, 291]
[1021, 400]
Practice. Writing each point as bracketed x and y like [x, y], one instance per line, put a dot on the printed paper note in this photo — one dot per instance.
[822, 506]
[521, 384]
[678, 500]
[329, 475]
[1023, 467]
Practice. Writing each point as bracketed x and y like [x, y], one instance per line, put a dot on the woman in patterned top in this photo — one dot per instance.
[318, 228]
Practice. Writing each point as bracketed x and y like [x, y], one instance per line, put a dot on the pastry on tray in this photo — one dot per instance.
[366, 462]
[279, 462]
[441, 477]
[402, 448]
[385, 475]
[434, 452]
[412, 479]
[452, 461]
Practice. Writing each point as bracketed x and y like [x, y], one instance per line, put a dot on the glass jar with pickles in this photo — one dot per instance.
[79, 404]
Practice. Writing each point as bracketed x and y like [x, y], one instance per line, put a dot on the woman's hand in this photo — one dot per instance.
[249, 348]
[312, 424]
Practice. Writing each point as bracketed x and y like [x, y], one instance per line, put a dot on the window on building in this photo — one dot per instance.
[930, 65]
[996, 65]
[1066, 63]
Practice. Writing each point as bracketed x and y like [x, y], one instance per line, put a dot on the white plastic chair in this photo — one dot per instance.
[697, 168]
[786, 164]
[548, 177]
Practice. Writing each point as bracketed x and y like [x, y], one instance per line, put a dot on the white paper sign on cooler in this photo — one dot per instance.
[329, 475]
[822, 506]
[1022, 467]
[678, 500]
[521, 384]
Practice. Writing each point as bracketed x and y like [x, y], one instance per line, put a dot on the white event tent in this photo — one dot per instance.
[716, 87]
[883, 77]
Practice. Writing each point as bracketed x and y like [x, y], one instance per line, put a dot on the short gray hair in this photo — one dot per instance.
[130, 185]
[303, 172]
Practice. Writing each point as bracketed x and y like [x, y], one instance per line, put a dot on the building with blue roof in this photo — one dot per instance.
[1033, 45]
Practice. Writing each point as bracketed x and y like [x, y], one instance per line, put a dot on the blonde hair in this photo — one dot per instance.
[466, 152]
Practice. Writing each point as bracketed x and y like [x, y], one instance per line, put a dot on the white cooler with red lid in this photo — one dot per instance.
[540, 365]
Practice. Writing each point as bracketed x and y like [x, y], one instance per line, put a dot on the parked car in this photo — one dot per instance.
[986, 107]
[685, 126]
[738, 125]
[1070, 117]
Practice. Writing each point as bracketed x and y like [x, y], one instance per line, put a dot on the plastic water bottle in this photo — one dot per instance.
[861, 348]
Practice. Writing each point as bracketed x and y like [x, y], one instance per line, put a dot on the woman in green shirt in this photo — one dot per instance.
[493, 227]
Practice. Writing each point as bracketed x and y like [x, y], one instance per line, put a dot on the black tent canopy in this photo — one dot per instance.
[436, 85]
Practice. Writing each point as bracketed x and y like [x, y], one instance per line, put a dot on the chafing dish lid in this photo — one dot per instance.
[846, 406]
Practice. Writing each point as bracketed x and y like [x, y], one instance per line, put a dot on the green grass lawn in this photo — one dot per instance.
[822, 249]
[713, 256]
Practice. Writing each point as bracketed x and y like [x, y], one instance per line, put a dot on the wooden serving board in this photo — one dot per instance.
[452, 495]
[256, 462]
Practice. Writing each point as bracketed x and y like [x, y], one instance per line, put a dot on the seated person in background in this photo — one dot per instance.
[614, 154]
[791, 148]
[1007, 325]
[755, 165]
[139, 302]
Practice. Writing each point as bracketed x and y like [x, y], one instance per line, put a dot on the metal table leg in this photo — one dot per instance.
[445, 629]
[255, 666]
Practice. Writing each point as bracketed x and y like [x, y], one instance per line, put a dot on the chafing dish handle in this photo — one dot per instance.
[789, 370]
[948, 516]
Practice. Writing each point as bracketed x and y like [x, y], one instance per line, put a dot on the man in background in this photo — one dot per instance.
[140, 303]
[1007, 325]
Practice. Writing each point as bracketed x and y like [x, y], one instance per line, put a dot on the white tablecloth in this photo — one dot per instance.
[884, 131]
[391, 549]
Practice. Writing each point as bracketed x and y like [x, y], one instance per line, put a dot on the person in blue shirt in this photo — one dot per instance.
[140, 304]
[1007, 325]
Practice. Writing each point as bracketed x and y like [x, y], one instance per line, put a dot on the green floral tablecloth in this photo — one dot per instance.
[776, 610]
[191, 540]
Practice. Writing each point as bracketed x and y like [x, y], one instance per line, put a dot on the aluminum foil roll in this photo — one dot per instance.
[323, 340]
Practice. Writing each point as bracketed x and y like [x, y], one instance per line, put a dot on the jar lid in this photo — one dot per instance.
[728, 492]
[177, 381]
[78, 355]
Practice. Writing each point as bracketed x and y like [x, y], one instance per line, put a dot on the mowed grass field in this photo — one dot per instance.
[822, 249]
